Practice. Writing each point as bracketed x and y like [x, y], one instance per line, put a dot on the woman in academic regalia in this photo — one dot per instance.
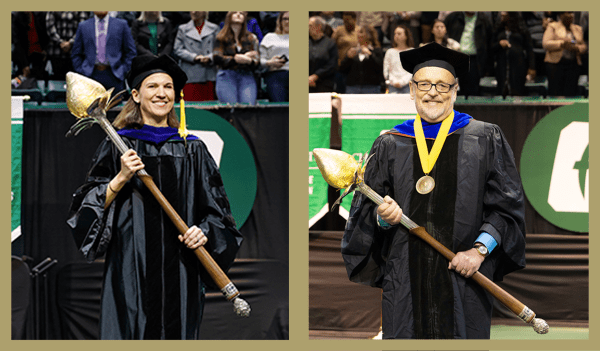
[153, 283]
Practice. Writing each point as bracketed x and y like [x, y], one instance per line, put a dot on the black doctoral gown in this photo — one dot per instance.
[153, 284]
[477, 188]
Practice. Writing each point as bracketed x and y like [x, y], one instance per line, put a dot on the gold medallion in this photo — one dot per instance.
[425, 185]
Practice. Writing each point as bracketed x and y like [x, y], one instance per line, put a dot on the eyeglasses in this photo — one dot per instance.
[440, 87]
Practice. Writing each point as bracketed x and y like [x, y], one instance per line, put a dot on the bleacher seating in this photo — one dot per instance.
[36, 95]
[57, 91]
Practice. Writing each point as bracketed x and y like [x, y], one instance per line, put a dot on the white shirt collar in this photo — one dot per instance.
[105, 19]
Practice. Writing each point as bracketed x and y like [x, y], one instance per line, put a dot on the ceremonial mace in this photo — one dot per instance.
[342, 171]
[89, 101]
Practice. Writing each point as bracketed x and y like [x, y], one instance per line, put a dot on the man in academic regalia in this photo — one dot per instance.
[456, 177]
[153, 282]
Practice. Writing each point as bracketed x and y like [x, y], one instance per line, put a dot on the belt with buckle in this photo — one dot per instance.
[101, 66]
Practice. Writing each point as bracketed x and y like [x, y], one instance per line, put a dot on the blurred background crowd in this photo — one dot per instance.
[511, 53]
[232, 57]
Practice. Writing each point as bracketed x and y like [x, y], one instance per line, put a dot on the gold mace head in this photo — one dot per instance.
[337, 167]
[81, 92]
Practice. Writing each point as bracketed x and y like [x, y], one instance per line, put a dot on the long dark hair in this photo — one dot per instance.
[226, 34]
[279, 23]
[410, 42]
[445, 38]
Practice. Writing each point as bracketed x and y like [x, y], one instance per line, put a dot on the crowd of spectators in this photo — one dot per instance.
[232, 57]
[358, 52]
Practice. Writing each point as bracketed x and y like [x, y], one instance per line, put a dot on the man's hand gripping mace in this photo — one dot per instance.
[341, 171]
[80, 90]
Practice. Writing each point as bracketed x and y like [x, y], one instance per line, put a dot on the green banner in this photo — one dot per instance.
[233, 156]
[358, 135]
[15, 153]
[364, 118]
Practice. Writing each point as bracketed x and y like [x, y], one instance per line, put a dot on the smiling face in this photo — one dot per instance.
[432, 106]
[285, 22]
[156, 97]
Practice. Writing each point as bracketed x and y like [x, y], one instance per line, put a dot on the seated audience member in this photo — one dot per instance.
[24, 80]
[564, 44]
[105, 61]
[513, 51]
[274, 54]
[236, 55]
[364, 64]
[61, 27]
[322, 58]
[396, 77]
[194, 48]
[153, 34]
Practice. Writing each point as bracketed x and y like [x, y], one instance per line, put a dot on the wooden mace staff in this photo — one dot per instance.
[89, 101]
[341, 171]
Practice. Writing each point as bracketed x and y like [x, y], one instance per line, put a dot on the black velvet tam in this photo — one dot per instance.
[436, 55]
[145, 65]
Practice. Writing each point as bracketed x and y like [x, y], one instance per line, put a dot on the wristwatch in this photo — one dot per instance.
[481, 249]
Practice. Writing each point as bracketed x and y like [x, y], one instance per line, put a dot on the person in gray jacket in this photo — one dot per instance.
[193, 48]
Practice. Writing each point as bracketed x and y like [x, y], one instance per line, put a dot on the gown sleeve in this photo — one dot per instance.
[364, 242]
[504, 205]
[90, 223]
[216, 220]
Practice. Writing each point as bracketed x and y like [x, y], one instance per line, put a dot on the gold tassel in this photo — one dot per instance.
[183, 132]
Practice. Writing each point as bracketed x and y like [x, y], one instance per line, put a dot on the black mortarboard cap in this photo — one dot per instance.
[435, 55]
[145, 65]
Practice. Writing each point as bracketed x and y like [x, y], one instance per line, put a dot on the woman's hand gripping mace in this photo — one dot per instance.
[80, 88]
[341, 171]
